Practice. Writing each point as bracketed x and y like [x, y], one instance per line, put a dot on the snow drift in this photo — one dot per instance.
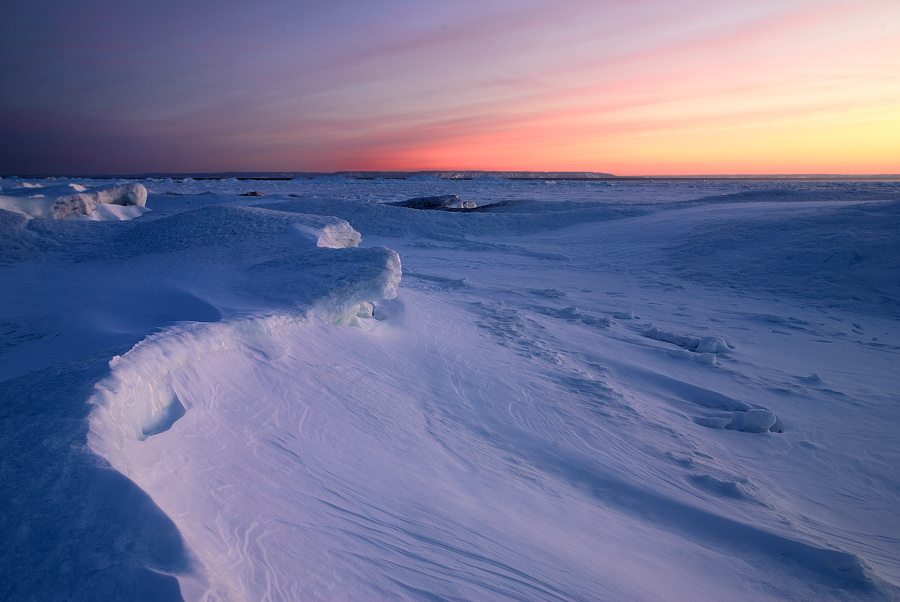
[316, 275]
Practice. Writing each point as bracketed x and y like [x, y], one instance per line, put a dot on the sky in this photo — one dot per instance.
[644, 87]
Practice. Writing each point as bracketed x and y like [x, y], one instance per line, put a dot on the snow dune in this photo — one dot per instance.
[578, 391]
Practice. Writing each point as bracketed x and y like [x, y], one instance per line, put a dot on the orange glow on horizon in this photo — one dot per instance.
[857, 143]
[695, 87]
[813, 91]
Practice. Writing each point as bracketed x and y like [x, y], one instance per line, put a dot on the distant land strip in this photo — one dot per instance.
[471, 175]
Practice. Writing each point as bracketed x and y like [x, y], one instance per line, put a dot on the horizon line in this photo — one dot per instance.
[461, 174]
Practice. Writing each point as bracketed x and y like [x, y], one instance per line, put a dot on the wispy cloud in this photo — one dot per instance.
[531, 85]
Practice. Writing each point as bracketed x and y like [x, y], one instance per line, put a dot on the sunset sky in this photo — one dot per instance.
[644, 87]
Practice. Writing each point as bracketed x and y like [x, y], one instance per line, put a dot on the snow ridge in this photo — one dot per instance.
[139, 398]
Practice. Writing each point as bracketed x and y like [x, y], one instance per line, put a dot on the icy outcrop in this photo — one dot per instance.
[693, 343]
[330, 232]
[756, 420]
[442, 203]
[61, 202]
[745, 420]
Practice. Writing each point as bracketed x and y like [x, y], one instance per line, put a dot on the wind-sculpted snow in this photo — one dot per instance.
[578, 391]
[245, 229]
[138, 399]
[113, 282]
[287, 270]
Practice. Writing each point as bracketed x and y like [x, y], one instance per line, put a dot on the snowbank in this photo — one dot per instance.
[139, 398]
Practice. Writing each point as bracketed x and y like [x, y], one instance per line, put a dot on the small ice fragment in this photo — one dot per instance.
[712, 345]
[706, 358]
[759, 420]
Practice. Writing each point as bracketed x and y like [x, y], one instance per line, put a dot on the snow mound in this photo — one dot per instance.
[18, 241]
[77, 201]
[243, 230]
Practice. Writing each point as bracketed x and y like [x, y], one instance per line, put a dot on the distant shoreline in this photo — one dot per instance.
[472, 175]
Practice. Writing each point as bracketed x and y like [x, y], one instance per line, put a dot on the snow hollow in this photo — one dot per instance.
[334, 388]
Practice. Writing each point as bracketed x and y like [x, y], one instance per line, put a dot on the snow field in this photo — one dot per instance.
[582, 392]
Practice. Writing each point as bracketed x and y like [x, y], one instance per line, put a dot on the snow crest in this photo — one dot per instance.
[140, 397]
[274, 280]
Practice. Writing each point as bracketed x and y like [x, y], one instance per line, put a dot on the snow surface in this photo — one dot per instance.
[578, 390]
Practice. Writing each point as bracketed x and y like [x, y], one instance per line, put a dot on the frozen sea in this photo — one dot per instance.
[576, 390]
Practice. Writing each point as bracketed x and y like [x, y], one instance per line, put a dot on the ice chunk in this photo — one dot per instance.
[332, 233]
[757, 420]
[690, 342]
[443, 202]
[78, 203]
[712, 345]
[706, 358]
